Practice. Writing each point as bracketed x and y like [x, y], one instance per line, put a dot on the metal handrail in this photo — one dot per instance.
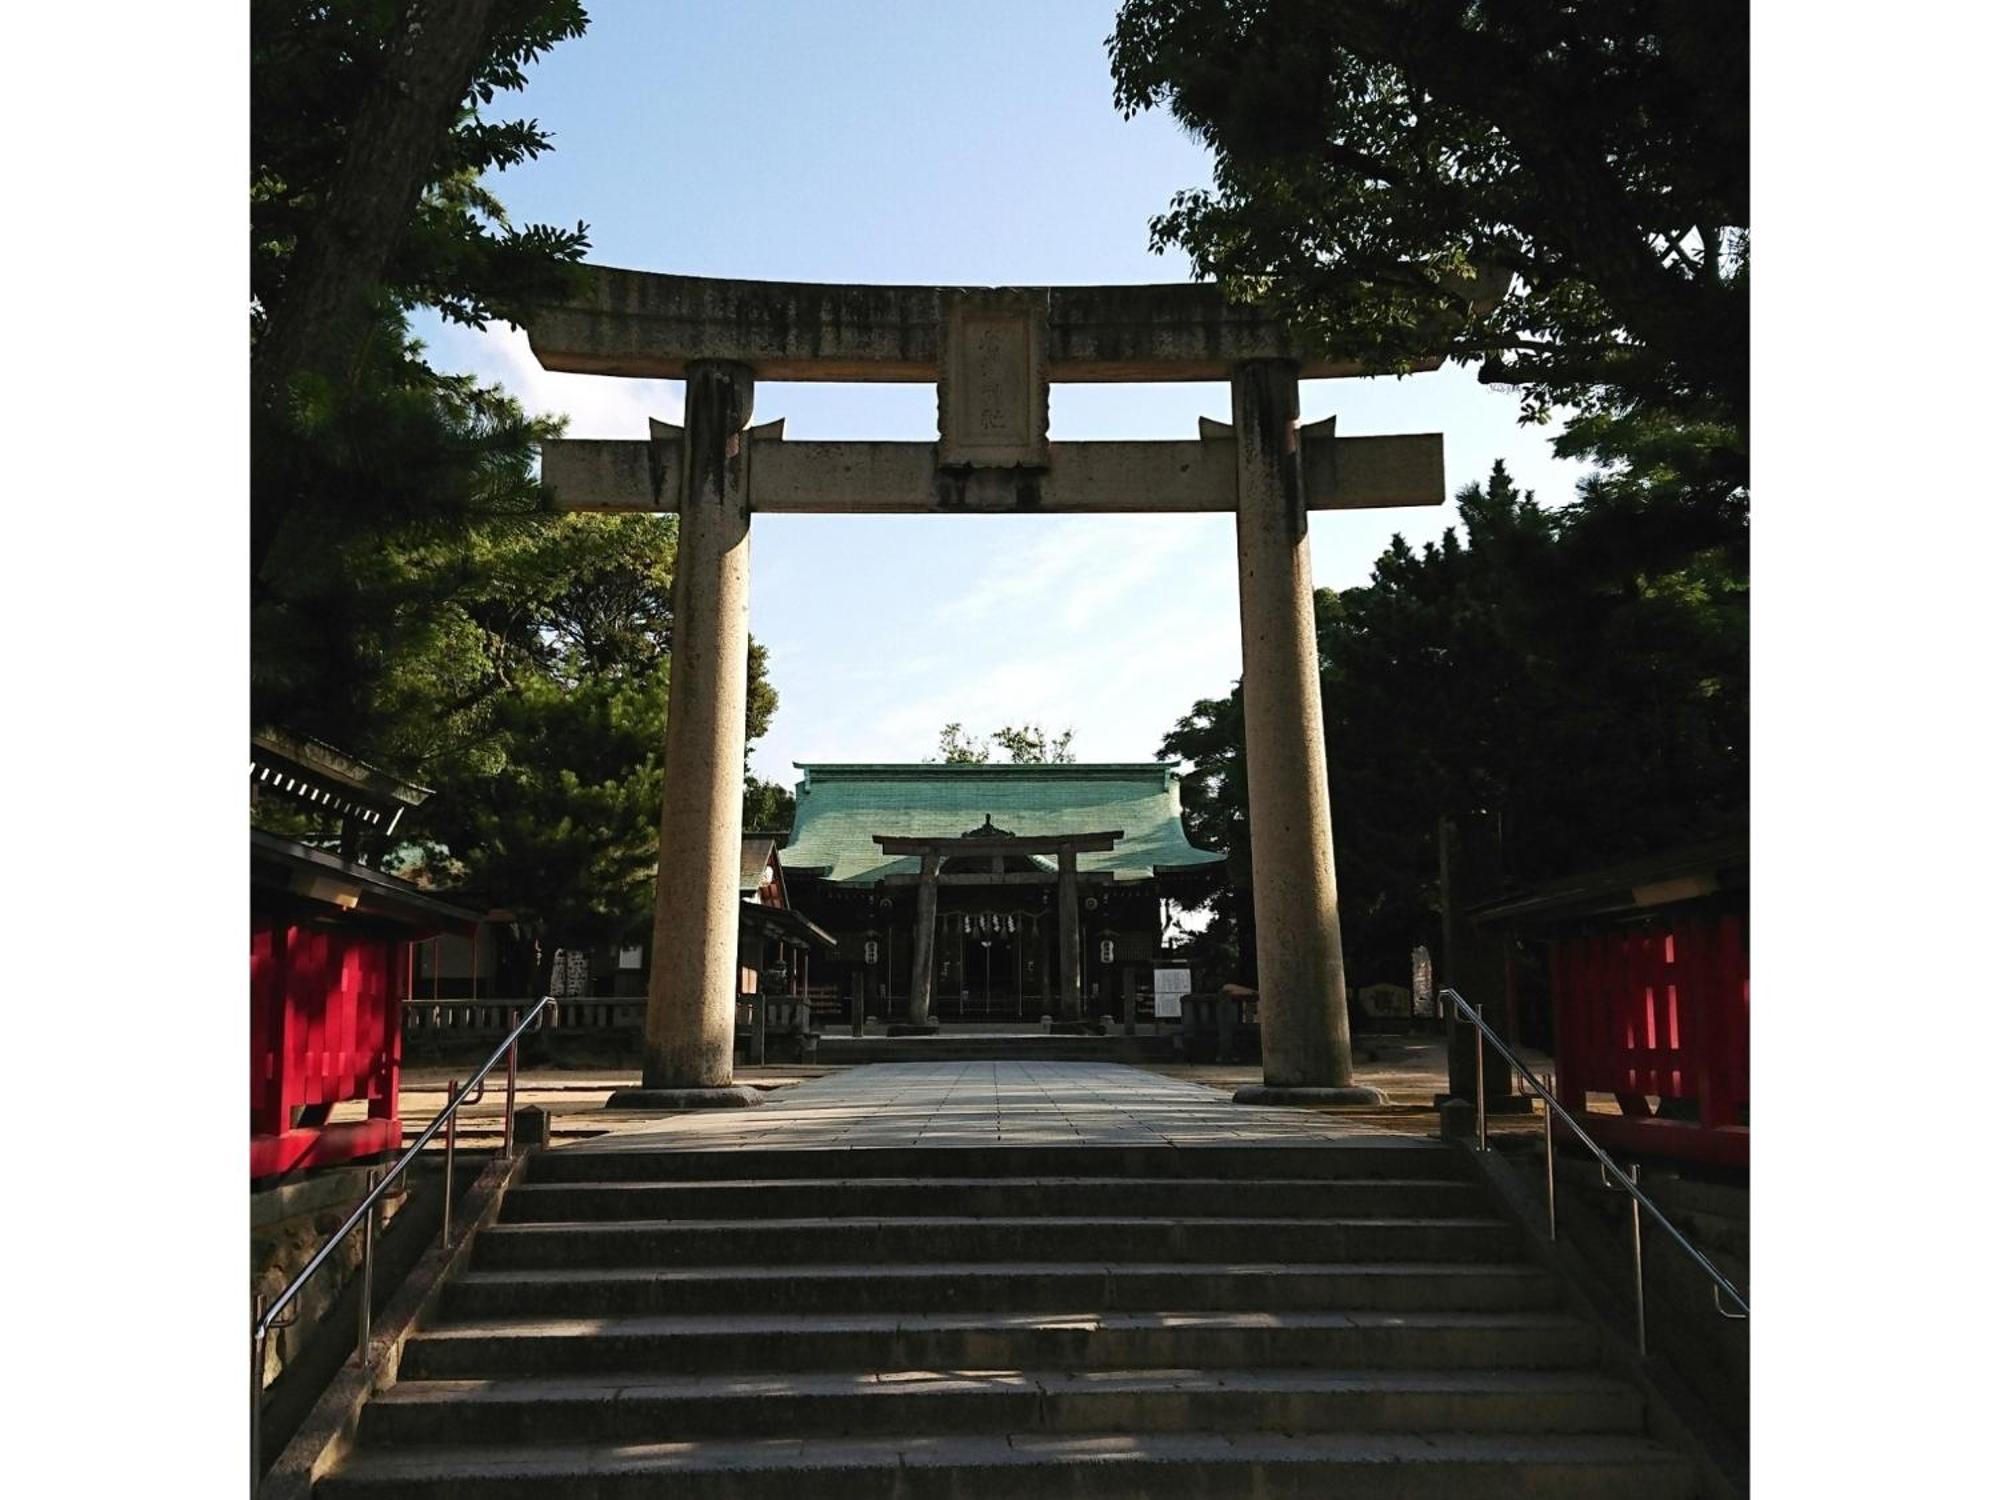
[1608, 1170]
[264, 1319]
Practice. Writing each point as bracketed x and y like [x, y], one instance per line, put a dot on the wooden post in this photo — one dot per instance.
[1069, 939]
[923, 959]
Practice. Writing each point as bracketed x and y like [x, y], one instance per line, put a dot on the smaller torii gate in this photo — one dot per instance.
[992, 353]
[998, 843]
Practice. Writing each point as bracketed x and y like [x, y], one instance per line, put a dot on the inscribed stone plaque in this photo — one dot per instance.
[1423, 991]
[1170, 988]
[993, 381]
[1385, 1002]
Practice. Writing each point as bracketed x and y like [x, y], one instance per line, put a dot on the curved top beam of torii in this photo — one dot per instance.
[992, 352]
[648, 325]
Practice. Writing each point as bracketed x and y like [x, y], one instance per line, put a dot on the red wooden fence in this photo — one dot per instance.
[1661, 1011]
[324, 1027]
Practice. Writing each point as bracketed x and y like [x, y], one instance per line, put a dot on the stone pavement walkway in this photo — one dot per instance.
[973, 1104]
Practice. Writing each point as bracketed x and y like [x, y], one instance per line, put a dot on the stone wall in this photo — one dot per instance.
[287, 1225]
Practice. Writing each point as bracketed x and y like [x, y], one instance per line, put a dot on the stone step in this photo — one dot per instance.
[892, 1403]
[1213, 1340]
[1374, 1156]
[1272, 1466]
[946, 1047]
[696, 1242]
[991, 1197]
[926, 1286]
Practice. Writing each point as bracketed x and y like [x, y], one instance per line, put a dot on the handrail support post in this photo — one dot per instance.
[450, 1153]
[367, 1298]
[257, 1337]
[513, 1065]
[1479, 1084]
[1549, 1150]
[1638, 1266]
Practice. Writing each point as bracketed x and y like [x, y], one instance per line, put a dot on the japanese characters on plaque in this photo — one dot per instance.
[570, 974]
[993, 381]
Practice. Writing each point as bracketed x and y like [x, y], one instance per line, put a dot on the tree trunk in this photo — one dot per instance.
[391, 150]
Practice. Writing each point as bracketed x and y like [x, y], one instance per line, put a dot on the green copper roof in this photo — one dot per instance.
[842, 807]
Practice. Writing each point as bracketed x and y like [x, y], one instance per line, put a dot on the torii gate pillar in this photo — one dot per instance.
[691, 991]
[1301, 987]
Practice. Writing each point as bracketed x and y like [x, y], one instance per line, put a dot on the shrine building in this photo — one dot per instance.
[1041, 886]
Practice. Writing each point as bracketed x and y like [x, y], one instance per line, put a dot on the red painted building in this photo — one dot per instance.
[330, 962]
[1645, 969]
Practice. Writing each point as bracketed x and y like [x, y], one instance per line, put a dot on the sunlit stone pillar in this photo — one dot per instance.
[1302, 990]
[923, 969]
[1069, 937]
[691, 998]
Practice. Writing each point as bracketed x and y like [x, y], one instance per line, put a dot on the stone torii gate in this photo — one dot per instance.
[992, 353]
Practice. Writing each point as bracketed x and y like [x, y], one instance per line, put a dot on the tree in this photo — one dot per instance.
[390, 146]
[1030, 745]
[382, 622]
[387, 498]
[1596, 701]
[368, 153]
[551, 810]
[768, 806]
[959, 748]
[367, 149]
[1027, 744]
[1370, 155]
[1215, 804]
[413, 599]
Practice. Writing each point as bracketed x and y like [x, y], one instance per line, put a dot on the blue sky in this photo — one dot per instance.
[934, 143]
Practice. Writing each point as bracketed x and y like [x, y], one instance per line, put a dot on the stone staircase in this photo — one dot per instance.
[1275, 1321]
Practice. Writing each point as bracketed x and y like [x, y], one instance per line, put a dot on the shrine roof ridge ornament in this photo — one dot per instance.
[649, 325]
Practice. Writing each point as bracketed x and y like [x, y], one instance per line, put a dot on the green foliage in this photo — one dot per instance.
[382, 503]
[1370, 155]
[390, 449]
[767, 806]
[1025, 744]
[385, 593]
[957, 748]
[312, 63]
[1030, 745]
[1547, 668]
[551, 808]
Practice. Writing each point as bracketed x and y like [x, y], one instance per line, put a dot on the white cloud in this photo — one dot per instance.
[597, 406]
